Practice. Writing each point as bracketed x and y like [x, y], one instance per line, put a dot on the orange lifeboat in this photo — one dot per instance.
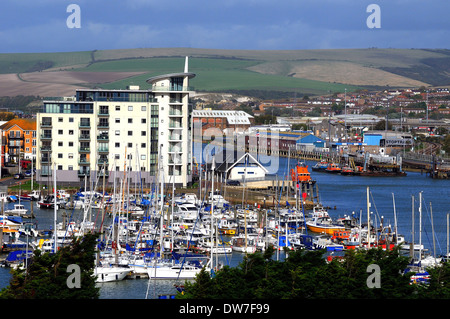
[301, 174]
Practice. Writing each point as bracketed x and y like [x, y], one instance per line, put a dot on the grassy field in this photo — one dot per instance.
[31, 62]
[213, 74]
[302, 71]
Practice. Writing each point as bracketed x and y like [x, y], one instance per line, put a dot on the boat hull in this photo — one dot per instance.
[329, 230]
[108, 274]
[169, 272]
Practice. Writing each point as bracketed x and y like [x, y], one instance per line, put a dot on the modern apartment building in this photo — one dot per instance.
[130, 133]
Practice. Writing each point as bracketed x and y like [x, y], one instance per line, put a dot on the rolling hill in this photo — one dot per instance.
[301, 71]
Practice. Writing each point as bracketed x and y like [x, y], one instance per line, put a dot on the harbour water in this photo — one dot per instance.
[343, 195]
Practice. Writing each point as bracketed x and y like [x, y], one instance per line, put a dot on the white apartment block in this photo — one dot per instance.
[132, 133]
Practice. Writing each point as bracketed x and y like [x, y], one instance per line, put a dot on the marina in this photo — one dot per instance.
[390, 209]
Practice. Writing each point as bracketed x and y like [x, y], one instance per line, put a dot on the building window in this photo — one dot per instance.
[60, 132]
[70, 132]
[117, 107]
[143, 157]
[116, 156]
[70, 155]
[143, 108]
[60, 167]
[130, 108]
[60, 155]
[70, 168]
[143, 121]
[117, 132]
[70, 119]
[143, 133]
[70, 143]
[130, 133]
[130, 145]
[130, 121]
[117, 120]
[117, 144]
[60, 143]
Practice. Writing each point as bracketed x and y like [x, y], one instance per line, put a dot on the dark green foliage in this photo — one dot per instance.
[46, 276]
[308, 275]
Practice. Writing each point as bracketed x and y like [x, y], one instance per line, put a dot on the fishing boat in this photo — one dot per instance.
[320, 166]
[48, 202]
[18, 210]
[35, 195]
[333, 168]
[323, 225]
[347, 170]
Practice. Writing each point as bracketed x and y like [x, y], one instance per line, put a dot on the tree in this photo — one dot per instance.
[47, 278]
[307, 275]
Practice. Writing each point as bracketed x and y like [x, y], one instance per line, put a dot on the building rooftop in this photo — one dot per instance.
[24, 124]
[233, 117]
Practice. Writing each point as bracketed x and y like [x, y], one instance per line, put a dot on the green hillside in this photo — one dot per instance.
[212, 74]
[300, 71]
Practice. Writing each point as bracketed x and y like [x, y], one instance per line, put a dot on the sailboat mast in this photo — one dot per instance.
[213, 167]
[54, 210]
[395, 220]
[368, 219]
[161, 221]
[411, 247]
[420, 226]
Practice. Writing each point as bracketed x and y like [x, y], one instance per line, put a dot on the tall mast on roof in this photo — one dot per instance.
[186, 64]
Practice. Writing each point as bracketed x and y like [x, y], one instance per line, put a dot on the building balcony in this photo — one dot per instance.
[84, 125]
[84, 172]
[46, 124]
[84, 150]
[15, 137]
[103, 137]
[175, 149]
[175, 101]
[158, 88]
[102, 161]
[46, 137]
[103, 149]
[175, 137]
[103, 113]
[83, 161]
[101, 173]
[103, 126]
[84, 137]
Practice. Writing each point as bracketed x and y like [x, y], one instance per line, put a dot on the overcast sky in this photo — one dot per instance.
[41, 25]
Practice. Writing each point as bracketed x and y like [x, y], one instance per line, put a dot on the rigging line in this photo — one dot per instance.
[198, 214]
[376, 210]
[431, 223]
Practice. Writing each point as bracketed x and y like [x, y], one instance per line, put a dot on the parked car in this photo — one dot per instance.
[19, 176]
[233, 183]
[28, 173]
